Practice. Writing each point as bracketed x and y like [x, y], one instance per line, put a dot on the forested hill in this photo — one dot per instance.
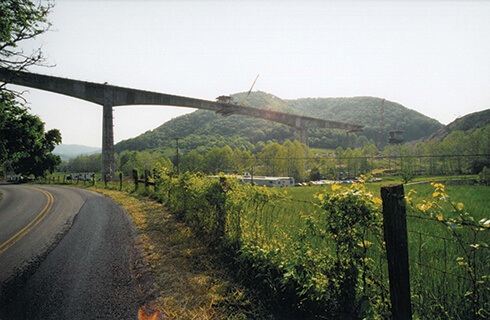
[202, 130]
[468, 122]
[366, 111]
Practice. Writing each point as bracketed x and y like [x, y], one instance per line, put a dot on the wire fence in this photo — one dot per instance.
[449, 261]
[449, 267]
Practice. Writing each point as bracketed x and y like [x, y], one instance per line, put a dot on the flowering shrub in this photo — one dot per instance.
[350, 215]
[467, 258]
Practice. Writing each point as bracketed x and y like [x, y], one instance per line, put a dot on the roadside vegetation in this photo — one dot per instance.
[191, 281]
[282, 248]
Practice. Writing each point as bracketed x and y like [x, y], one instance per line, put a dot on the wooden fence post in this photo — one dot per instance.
[135, 178]
[396, 239]
[120, 180]
[155, 178]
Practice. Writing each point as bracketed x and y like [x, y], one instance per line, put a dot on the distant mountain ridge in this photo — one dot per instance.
[69, 151]
[205, 127]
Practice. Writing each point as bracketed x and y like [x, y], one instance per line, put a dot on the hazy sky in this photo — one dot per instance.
[430, 56]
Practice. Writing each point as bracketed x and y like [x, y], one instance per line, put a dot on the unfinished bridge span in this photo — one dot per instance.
[109, 96]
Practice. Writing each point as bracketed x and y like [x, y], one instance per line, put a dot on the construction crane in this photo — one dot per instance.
[228, 99]
[253, 84]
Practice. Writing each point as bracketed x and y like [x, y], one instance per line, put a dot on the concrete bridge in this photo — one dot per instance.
[110, 96]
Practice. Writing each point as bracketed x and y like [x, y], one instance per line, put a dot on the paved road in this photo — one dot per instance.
[64, 254]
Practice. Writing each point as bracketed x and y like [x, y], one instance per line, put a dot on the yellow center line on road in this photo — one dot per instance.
[19, 235]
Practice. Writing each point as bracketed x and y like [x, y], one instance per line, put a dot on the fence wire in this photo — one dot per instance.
[448, 252]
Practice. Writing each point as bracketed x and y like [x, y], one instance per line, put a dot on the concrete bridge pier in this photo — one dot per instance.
[108, 162]
[303, 136]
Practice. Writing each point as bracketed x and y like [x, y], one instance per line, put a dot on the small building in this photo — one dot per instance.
[279, 182]
[396, 136]
[16, 176]
[81, 176]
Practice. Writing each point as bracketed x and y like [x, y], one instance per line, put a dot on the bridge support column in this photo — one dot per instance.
[108, 162]
[303, 136]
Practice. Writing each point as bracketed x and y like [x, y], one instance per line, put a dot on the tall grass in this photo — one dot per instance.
[449, 262]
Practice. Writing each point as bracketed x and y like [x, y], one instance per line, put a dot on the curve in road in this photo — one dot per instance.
[65, 255]
[31, 225]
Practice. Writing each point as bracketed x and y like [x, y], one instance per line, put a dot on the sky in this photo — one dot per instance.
[429, 56]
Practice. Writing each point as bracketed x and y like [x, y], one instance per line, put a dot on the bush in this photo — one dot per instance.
[484, 176]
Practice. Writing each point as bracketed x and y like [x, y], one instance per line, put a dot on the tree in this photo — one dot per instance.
[129, 161]
[407, 174]
[218, 160]
[242, 161]
[484, 176]
[297, 154]
[24, 143]
[191, 162]
[315, 174]
[21, 20]
[269, 158]
[90, 163]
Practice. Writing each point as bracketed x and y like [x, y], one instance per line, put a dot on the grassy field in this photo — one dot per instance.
[476, 198]
[321, 150]
[449, 266]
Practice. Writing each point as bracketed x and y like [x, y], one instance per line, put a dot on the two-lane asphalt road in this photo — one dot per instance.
[64, 254]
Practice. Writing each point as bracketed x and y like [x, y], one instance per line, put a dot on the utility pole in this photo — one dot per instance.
[177, 142]
[380, 130]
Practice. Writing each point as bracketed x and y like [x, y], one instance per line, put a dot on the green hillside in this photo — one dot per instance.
[201, 130]
[468, 122]
[366, 111]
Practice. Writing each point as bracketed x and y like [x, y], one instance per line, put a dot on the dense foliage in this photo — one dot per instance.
[367, 111]
[25, 148]
[459, 153]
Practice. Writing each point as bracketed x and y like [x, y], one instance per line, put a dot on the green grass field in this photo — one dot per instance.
[449, 267]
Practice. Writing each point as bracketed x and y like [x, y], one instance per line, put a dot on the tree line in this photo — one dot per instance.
[459, 153]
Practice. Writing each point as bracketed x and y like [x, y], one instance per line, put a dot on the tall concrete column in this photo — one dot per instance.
[108, 162]
[303, 136]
